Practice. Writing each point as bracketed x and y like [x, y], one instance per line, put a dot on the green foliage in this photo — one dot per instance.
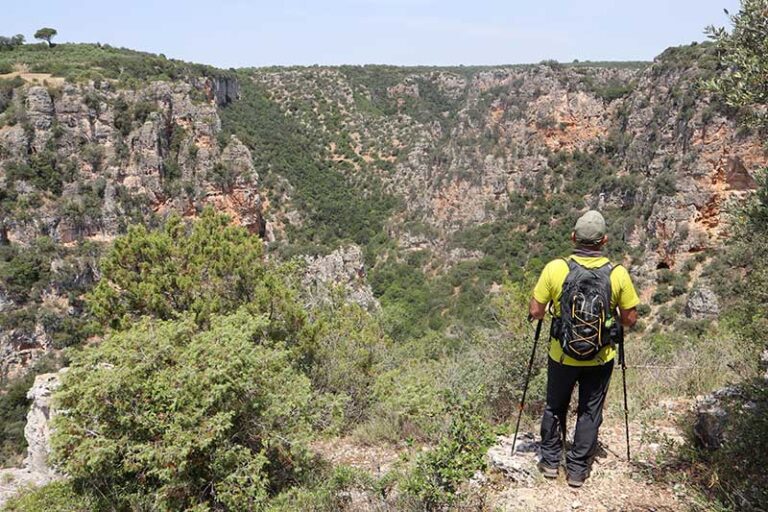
[52, 497]
[743, 55]
[327, 491]
[11, 43]
[14, 406]
[223, 176]
[665, 184]
[746, 261]
[336, 209]
[7, 86]
[695, 56]
[342, 354]
[204, 268]
[736, 472]
[737, 469]
[662, 294]
[408, 301]
[438, 473]
[496, 357]
[46, 34]
[24, 272]
[408, 401]
[615, 90]
[41, 171]
[80, 62]
[171, 416]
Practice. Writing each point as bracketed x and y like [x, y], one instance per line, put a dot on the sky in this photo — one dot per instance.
[240, 33]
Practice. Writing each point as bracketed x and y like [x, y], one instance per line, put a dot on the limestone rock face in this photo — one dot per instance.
[36, 470]
[121, 156]
[702, 303]
[39, 107]
[136, 146]
[344, 270]
[496, 134]
[38, 428]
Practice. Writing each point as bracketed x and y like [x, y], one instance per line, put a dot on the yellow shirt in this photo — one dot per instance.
[550, 287]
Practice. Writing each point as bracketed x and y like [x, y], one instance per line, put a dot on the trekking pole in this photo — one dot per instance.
[623, 363]
[527, 379]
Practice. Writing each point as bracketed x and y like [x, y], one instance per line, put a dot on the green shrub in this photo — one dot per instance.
[665, 184]
[663, 294]
[664, 276]
[326, 491]
[205, 268]
[408, 401]
[439, 472]
[343, 354]
[175, 417]
[25, 271]
[53, 497]
[6, 90]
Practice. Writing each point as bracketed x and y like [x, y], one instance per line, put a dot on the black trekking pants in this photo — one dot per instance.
[593, 387]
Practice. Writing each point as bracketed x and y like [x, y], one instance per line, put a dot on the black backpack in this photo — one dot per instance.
[586, 322]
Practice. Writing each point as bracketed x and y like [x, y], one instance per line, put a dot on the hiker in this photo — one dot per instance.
[585, 280]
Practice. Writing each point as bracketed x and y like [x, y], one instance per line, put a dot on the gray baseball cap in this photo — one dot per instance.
[590, 228]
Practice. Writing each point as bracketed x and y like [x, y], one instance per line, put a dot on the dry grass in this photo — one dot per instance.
[34, 78]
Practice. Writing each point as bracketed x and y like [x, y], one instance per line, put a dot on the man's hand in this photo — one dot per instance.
[537, 310]
[628, 317]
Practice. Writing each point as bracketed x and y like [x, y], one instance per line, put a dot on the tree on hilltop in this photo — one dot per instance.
[46, 34]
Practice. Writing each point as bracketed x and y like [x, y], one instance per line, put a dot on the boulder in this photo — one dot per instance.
[712, 415]
[39, 108]
[710, 422]
[702, 303]
[520, 466]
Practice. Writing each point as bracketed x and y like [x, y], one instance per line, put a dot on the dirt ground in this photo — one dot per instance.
[614, 484]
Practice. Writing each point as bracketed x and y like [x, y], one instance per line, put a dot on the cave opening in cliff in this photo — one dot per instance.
[662, 265]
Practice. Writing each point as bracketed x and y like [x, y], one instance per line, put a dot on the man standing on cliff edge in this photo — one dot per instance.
[590, 290]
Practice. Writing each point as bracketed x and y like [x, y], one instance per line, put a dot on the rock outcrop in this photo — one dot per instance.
[711, 418]
[36, 469]
[518, 464]
[341, 271]
[702, 303]
[84, 161]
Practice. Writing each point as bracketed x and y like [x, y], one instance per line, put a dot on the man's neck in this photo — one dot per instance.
[590, 252]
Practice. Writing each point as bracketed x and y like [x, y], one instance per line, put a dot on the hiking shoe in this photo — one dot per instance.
[547, 471]
[575, 480]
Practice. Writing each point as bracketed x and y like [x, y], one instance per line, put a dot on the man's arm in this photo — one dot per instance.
[628, 316]
[536, 309]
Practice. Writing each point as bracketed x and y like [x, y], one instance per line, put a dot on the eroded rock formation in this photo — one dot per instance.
[36, 469]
